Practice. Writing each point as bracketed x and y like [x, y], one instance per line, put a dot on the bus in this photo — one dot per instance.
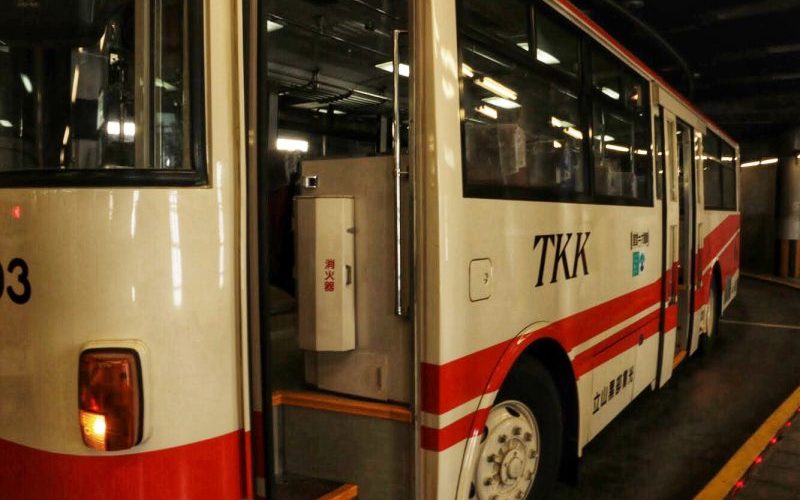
[328, 248]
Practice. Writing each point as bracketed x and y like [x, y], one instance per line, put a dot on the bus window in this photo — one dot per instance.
[621, 144]
[719, 173]
[556, 46]
[104, 99]
[521, 123]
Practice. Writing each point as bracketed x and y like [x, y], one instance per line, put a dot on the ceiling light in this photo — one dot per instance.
[5, 123]
[573, 132]
[524, 46]
[113, 128]
[501, 103]
[604, 138]
[65, 140]
[615, 147]
[610, 93]
[496, 88]
[291, 145]
[75, 76]
[487, 111]
[26, 82]
[769, 161]
[559, 123]
[750, 164]
[546, 57]
[642, 152]
[467, 71]
[273, 26]
[324, 111]
[557, 145]
[129, 129]
[388, 66]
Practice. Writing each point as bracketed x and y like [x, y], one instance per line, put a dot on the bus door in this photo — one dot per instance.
[684, 159]
[679, 235]
[333, 98]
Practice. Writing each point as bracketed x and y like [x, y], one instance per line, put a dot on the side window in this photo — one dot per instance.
[621, 135]
[521, 120]
[95, 95]
[659, 143]
[719, 173]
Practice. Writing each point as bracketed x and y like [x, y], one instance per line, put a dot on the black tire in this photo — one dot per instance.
[708, 340]
[530, 383]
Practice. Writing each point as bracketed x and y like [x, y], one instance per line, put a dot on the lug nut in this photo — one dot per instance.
[502, 438]
[528, 436]
[490, 458]
[517, 431]
[532, 454]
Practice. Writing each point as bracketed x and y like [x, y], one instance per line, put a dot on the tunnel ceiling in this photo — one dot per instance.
[744, 56]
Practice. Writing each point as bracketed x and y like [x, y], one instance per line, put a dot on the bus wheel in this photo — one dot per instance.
[708, 340]
[520, 449]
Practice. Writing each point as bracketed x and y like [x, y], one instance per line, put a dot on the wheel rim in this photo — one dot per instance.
[509, 455]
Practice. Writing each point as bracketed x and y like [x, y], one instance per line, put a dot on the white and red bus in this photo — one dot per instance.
[443, 242]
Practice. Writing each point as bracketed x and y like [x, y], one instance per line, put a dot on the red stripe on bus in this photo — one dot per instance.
[206, 469]
[453, 384]
[449, 435]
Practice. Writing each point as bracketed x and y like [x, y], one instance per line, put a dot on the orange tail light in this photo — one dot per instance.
[110, 398]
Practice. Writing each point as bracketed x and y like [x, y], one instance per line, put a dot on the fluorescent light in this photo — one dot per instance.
[524, 46]
[388, 66]
[727, 158]
[605, 138]
[557, 145]
[487, 111]
[65, 140]
[501, 103]
[467, 71]
[286, 144]
[113, 128]
[559, 123]
[769, 161]
[496, 88]
[546, 57]
[165, 85]
[26, 82]
[129, 129]
[273, 26]
[324, 111]
[642, 152]
[573, 132]
[615, 147]
[5, 123]
[750, 164]
[610, 93]
[75, 76]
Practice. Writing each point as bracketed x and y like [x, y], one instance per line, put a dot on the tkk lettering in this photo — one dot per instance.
[562, 251]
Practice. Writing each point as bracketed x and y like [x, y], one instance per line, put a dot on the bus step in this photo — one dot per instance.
[294, 487]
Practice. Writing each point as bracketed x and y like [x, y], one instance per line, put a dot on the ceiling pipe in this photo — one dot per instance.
[619, 9]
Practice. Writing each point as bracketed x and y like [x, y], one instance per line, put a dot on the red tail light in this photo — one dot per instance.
[110, 398]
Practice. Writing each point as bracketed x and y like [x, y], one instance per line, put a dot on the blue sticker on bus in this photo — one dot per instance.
[638, 263]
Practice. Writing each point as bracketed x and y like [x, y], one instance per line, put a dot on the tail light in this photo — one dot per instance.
[110, 398]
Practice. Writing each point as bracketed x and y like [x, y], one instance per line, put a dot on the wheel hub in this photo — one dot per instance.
[509, 456]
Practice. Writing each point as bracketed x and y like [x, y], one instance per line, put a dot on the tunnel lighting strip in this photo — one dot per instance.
[765, 161]
[734, 475]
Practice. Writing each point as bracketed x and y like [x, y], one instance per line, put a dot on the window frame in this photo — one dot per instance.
[195, 176]
[581, 83]
[721, 166]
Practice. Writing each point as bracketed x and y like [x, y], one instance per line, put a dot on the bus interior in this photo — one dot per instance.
[331, 202]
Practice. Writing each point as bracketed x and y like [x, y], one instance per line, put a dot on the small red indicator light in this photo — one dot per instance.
[789, 423]
[773, 440]
[759, 459]
[16, 212]
[739, 484]
[110, 399]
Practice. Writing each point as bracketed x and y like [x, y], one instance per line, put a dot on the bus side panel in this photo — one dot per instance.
[158, 265]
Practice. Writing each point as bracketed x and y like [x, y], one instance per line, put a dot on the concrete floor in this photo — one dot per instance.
[669, 443]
